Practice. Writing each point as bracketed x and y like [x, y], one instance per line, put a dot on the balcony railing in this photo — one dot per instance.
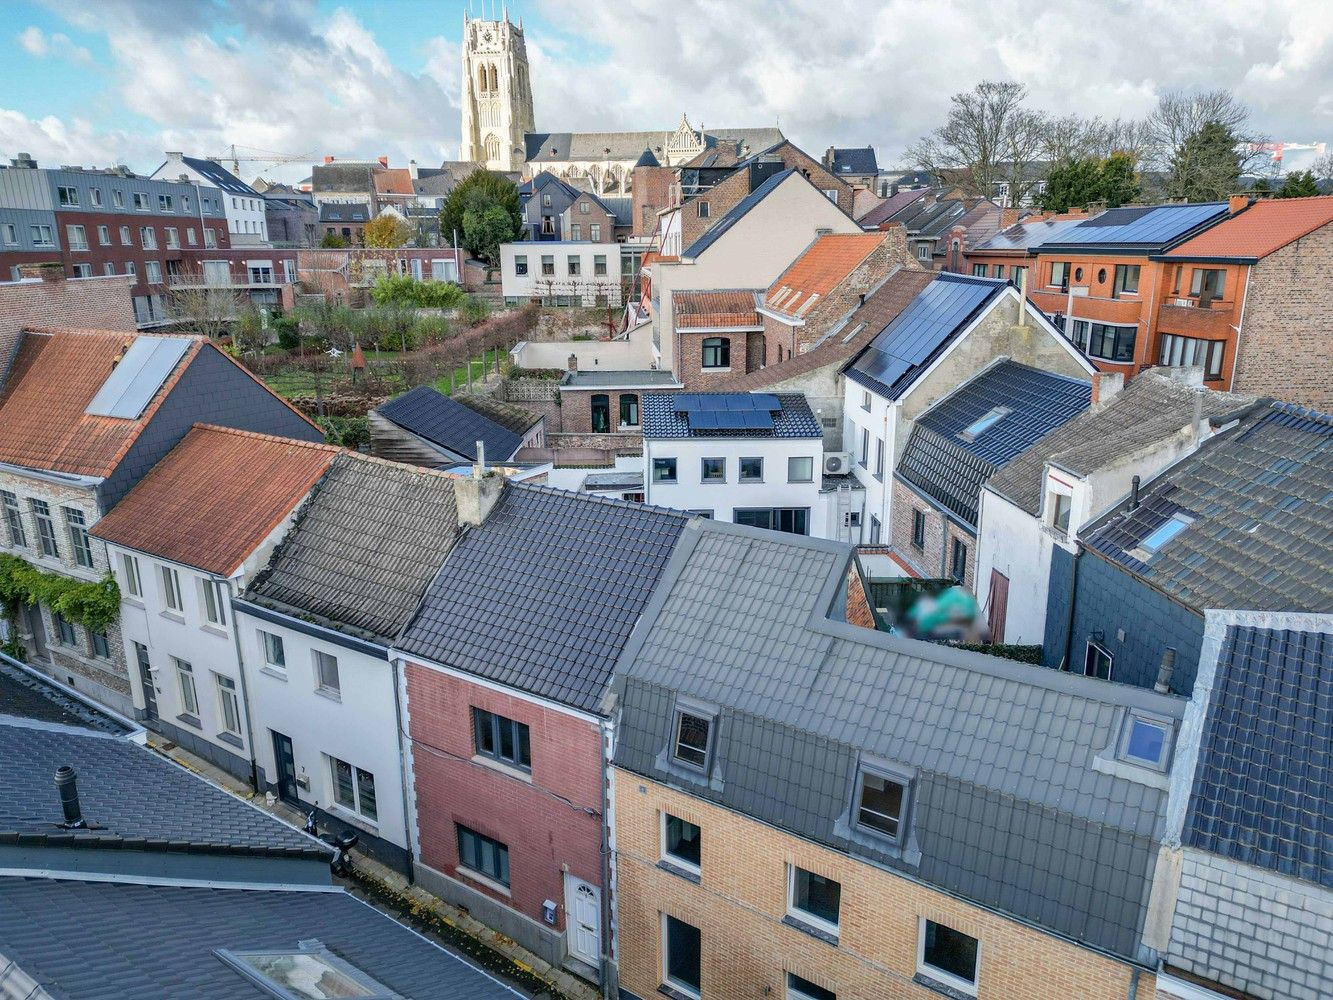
[232, 281]
[1191, 321]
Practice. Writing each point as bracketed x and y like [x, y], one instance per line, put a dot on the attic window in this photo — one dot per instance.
[1165, 532]
[1146, 741]
[977, 428]
[308, 972]
[691, 738]
[880, 805]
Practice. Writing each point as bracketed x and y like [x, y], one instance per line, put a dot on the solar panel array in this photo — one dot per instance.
[134, 382]
[1137, 226]
[731, 411]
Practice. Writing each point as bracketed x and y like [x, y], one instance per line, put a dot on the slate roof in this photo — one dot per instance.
[563, 146]
[508, 415]
[128, 795]
[739, 211]
[219, 175]
[1263, 228]
[1008, 809]
[881, 307]
[1152, 408]
[82, 940]
[941, 462]
[647, 159]
[1028, 235]
[663, 421]
[543, 594]
[363, 548]
[29, 696]
[442, 420]
[891, 206]
[822, 267]
[343, 177]
[1261, 537]
[1144, 229]
[620, 207]
[1263, 788]
[344, 212]
[215, 497]
[730, 308]
[891, 362]
[55, 376]
[858, 160]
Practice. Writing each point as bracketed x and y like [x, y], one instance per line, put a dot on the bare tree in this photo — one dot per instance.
[1322, 168]
[985, 126]
[206, 309]
[1180, 115]
[1023, 147]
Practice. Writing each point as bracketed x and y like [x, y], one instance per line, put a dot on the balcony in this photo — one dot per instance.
[1191, 321]
[1098, 309]
[274, 280]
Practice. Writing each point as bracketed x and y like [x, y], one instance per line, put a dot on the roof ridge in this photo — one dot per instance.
[361, 456]
[594, 498]
[261, 436]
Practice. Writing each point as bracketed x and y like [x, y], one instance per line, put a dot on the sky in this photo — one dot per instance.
[120, 81]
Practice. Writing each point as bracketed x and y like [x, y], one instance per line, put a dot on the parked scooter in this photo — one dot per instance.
[342, 844]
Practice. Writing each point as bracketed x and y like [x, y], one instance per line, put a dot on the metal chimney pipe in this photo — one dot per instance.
[1134, 493]
[1164, 672]
[67, 786]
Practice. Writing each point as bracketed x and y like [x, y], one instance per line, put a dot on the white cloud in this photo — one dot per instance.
[33, 41]
[36, 42]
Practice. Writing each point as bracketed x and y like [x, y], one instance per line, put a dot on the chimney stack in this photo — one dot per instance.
[67, 786]
[476, 495]
[1163, 683]
[384, 161]
[1237, 203]
[328, 160]
[51, 270]
[573, 362]
[1105, 387]
[1134, 493]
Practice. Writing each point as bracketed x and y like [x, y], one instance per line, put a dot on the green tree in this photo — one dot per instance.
[1302, 185]
[1206, 166]
[1076, 183]
[1262, 186]
[387, 231]
[496, 214]
[1120, 181]
[332, 241]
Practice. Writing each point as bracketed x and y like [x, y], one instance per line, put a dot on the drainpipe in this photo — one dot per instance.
[607, 837]
[403, 775]
[1133, 984]
[1073, 601]
[245, 696]
[1235, 354]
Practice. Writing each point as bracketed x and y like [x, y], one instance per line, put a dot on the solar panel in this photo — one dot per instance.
[135, 380]
[730, 420]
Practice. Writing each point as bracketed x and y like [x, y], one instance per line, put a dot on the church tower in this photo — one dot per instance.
[497, 96]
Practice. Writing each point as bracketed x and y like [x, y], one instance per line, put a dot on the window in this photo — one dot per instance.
[548, 265]
[125, 238]
[595, 232]
[11, 232]
[923, 251]
[752, 470]
[1060, 505]
[354, 789]
[1208, 283]
[800, 469]
[210, 239]
[792, 520]
[101, 647]
[879, 458]
[46, 529]
[664, 470]
[1126, 280]
[83, 270]
[583, 208]
[129, 268]
[1145, 741]
[958, 560]
[483, 855]
[326, 673]
[309, 972]
[575, 231]
[629, 410]
[108, 268]
[865, 400]
[229, 706]
[76, 237]
[574, 265]
[548, 225]
[601, 413]
[881, 803]
[799, 988]
[978, 427]
[147, 238]
[813, 898]
[1060, 276]
[42, 236]
[65, 633]
[690, 744]
[705, 210]
[129, 570]
[502, 739]
[152, 271]
[191, 236]
[215, 608]
[274, 654]
[875, 528]
[1111, 343]
[1097, 662]
[919, 528]
[978, 270]
[171, 589]
[546, 200]
[117, 198]
[997, 271]
[79, 542]
[104, 236]
[680, 841]
[1165, 532]
[189, 694]
[185, 203]
[520, 264]
[717, 352]
[164, 203]
[949, 956]
[598, 260]
[69, 197]
[1017, 275]
[713, 470]
[681, 955]
[173, 238]
[863, 459]
[1180, 352]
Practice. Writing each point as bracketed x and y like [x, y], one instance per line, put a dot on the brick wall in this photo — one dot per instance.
[544, 819]
[652, 193]
[720, 199]
[1286, 327]
[747, 950]
[85, 303]
[747, 352]
[935, 558]
[793, 157]
[576, 410]
[859, 611]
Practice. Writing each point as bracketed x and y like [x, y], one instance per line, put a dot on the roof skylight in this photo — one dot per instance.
[1164, 532]
[308, 972]
[979, 427]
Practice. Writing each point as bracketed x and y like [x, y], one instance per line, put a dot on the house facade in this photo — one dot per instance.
[243, 205]
[559, 273]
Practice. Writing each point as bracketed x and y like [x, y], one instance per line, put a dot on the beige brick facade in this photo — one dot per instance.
[747, 950]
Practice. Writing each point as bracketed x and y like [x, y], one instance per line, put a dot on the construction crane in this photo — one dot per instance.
[262, 156]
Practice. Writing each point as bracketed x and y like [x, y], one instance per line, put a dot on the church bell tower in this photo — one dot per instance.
[497, 95]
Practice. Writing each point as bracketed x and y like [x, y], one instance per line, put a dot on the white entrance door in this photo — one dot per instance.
[583, 912]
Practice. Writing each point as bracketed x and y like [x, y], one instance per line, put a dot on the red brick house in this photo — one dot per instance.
[504, 670]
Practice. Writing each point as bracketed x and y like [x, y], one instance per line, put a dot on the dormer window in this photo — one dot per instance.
[1146, 741]
[881, 802]
[692, 739]
[975, 429]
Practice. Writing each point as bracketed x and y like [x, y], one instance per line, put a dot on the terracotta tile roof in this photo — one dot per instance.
[880, 309]
[393, 181]
[215, 497]
[55, 375]
[709, 310]
[824, 265]
[1263, 228]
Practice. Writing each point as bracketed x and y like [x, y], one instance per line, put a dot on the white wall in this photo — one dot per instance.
[586, 285]
[632, 354]
[360, 726]
[881, 421]
[1019, 546]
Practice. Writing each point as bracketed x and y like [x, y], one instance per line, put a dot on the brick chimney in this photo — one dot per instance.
[1105, 387]
[476, 495]
[328, 160]
[1238, 203]
[384, 161]
[48, 271]
[573, 362]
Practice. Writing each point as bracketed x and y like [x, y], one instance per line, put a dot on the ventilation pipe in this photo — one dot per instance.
[67, 786]
[1164, 672]
[1134, 493]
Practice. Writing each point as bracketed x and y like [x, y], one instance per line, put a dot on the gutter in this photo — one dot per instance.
[245, 694]
[1239, 328]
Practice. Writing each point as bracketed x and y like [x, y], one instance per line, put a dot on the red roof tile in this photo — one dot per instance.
[824, 265]
[56, 374]
[1264, 227]
[728, 309]
[395, 180]
[216, 497]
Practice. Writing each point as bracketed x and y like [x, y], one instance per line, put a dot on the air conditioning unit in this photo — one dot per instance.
[837, 463]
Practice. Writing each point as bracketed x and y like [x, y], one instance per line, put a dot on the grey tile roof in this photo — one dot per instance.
[620, 379]
[1009, 811]
[1263, 788]
[543, 594]
[24, 695]
[87, 941]
[342, 177]
[942, 463]
[128, 794]
[1149, 228]
[1152, 408]
[1261, 500]
[429, 413]
[561, 146]
[220, 175]
[363, 548]
[662, 420]
[859, 160]
[739, 211]
[891, 362]
[344, 212]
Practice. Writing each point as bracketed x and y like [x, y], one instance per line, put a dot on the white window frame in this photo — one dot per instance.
[709, 743]
[268, 648]
[676, 984]
[185, 683]
[805, 916]
[171, 590]
[1160, 722]
[941, 975]
[77, 236]
[104, 236]
[317, 662]
[227, 696]
[129, 569]
[904, 812]
[666, 855]
[215, 610]
[1110, 660]
[356, 808]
